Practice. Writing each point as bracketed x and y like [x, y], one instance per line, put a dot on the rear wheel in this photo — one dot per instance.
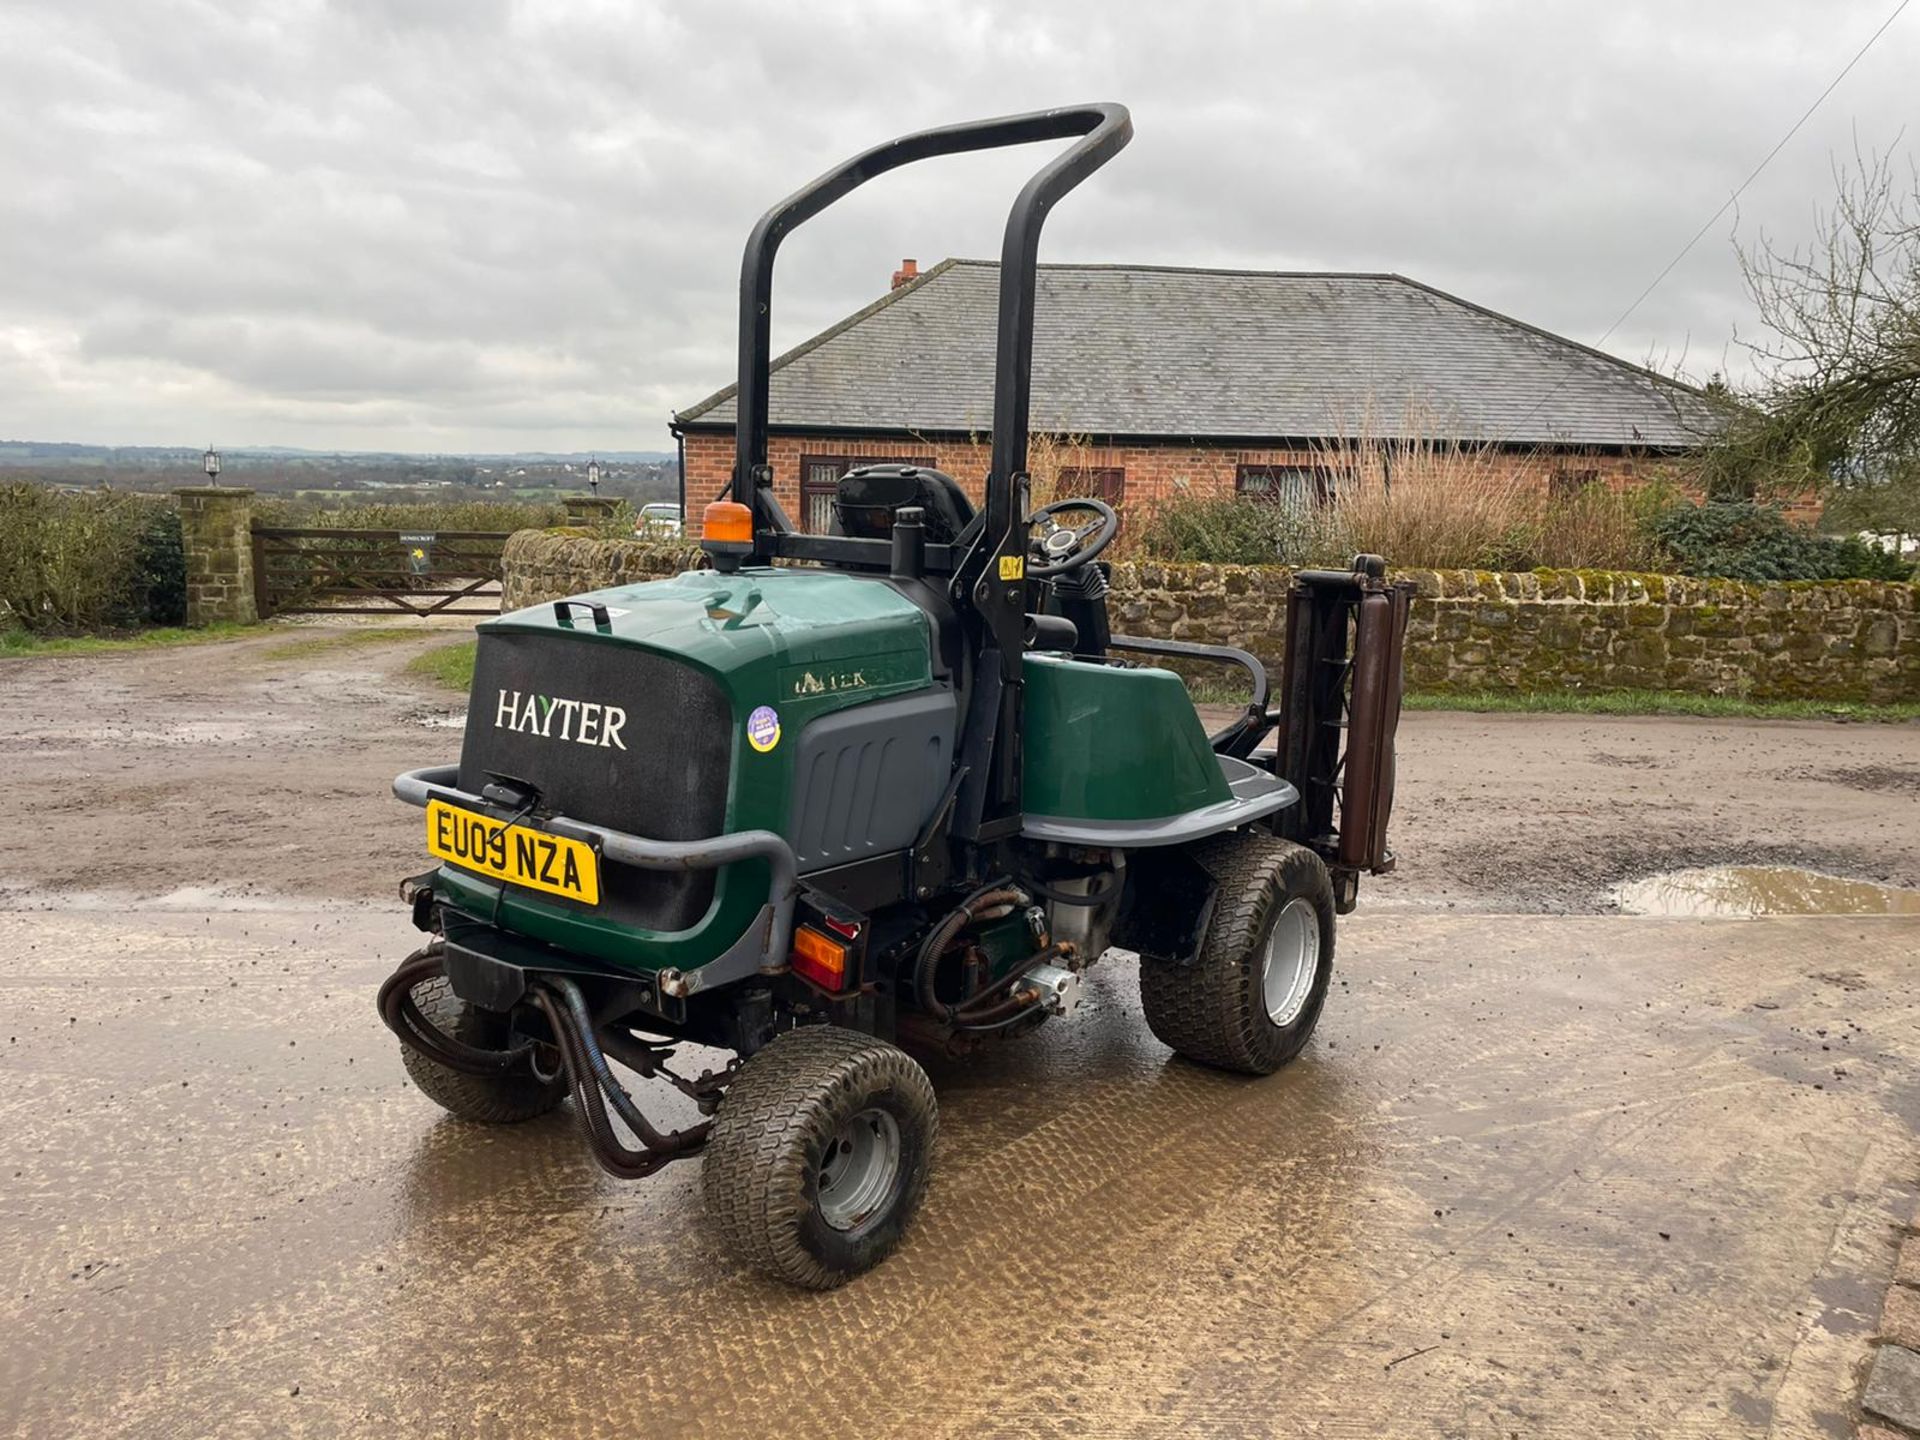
[1251, 997]
[506, 1099]
[820, 1154]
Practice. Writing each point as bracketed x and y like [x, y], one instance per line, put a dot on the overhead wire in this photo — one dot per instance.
[1725, 206]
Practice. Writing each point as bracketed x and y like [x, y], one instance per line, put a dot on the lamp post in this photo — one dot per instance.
[593, 476]
[210, 462]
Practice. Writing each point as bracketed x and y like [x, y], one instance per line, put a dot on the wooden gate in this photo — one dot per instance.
[376, 572]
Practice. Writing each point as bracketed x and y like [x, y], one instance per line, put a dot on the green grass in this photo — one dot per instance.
[449, 665]
[328, 640]
[1657, 702]
[1209, 691]
[24, 643]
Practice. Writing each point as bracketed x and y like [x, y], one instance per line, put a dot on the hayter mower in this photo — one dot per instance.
[906, 793]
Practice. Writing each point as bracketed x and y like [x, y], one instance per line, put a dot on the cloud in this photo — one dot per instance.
[447, 224]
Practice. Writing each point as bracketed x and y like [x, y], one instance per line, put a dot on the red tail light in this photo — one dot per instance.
[818, 958]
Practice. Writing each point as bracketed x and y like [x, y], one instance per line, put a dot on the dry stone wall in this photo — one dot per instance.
[1470, 629]
[540, 565]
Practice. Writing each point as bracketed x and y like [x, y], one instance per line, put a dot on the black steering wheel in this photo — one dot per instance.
[1060, 548]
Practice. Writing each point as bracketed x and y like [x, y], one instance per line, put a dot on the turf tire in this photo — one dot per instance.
[486, 1099]
[760, 1174]
[1213, 1010]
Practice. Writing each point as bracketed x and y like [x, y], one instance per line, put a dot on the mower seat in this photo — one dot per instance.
[865, 500]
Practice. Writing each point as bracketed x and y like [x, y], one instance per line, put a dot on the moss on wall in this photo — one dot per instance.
[1470, 629]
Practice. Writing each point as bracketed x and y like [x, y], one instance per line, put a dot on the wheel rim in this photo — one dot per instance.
[1293, 955]
[858, 1170]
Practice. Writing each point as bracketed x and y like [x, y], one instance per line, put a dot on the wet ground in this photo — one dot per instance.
[1567, 1176]
[1539, 1174]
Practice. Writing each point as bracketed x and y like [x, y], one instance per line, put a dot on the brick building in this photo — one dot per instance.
[1149, 379]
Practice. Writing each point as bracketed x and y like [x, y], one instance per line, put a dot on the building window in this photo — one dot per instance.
[1101, 482]
[1565, 484]
[820, 477]
[1295, 486]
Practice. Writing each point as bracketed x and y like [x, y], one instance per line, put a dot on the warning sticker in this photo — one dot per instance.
[763, 728]
[1013, 567]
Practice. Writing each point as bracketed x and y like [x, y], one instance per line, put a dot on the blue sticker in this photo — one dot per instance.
[763, 728]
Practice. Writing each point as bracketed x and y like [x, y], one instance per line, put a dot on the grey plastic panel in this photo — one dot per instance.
[866, 780]
[1255, 793]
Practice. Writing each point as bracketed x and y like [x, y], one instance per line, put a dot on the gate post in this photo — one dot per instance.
[588, 509]
[216, 531]
[262, 606]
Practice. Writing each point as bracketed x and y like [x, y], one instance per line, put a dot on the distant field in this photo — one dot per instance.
[290, 476]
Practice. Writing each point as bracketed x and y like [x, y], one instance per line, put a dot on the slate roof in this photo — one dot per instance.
[1153, 351]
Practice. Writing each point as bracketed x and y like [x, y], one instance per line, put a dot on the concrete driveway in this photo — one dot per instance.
[1536, 1176]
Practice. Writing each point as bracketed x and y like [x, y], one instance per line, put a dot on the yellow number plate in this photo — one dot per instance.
[513, 853]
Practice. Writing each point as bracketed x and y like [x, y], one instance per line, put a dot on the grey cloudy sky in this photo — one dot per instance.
[467, 224]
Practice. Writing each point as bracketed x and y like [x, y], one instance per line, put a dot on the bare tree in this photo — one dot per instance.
[1837, 404]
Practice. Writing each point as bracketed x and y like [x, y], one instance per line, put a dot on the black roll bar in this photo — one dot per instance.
[990, 575]
[1104, 130]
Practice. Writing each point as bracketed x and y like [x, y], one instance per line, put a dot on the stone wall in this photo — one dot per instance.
[1470, 630]
[1580, 629]
[216, 534]
[539, 565]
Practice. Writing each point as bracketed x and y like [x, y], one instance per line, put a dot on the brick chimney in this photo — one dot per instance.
[909, 271]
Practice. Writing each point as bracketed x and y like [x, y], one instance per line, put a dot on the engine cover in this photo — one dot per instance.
[613, 735]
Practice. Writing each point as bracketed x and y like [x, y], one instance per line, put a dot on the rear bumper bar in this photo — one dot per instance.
[441, 782]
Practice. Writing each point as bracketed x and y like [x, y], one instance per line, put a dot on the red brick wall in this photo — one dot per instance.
[1153, 472]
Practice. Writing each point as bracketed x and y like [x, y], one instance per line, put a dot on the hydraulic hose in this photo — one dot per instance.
[616, 1094]
[972, 1009]
[615, 1091]
[594, 1089]
[927, 963]
[993, 1016]
[589, 1078]
[999, 1022]
[615, 1158]
[403, 1016]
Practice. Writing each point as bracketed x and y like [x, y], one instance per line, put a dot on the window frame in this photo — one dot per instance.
[1109, 483]
[809, 487]
[1325, 480]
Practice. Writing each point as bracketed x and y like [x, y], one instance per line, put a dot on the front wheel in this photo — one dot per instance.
[1249, 1000]
[820, 1154]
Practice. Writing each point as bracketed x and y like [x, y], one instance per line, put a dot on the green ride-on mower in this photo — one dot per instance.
[906, 790]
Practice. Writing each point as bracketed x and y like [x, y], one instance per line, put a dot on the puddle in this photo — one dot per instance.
[1749, 891]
